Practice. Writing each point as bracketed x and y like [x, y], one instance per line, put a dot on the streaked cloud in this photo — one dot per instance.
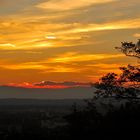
[61, 39]
[61, 5]
[63, 63]
[51, 37]
[27, 35]
[137, 35]
[43, 68]
[7, 46]
[123, 24]
[73, 57]
[49, 84]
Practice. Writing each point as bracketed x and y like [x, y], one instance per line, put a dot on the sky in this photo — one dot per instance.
[62, 40]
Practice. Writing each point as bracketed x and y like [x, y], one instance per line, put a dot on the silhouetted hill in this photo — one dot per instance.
[40, 102]
[30, 93]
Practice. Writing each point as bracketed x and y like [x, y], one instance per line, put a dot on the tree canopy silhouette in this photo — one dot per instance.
[130, 48]
[127, 83]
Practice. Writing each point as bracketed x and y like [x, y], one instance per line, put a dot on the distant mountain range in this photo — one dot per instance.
[45, 93]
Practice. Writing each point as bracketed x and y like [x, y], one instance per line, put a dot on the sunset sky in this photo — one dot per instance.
[64, 40]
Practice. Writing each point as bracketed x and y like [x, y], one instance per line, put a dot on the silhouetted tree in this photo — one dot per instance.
[83, 122]
[115, 118]
[126, 84]
[130, 48]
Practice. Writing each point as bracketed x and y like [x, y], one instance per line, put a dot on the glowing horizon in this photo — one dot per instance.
[46, 85]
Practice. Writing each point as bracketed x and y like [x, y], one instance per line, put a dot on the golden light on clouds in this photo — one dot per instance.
[69, 5]
[73, 57]
[137, 35]
[124, 24]
[7, 46]
[36, 36]
[51, 37]
[73, 39]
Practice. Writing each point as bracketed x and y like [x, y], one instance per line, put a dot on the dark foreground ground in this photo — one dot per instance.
[34, 118]
[67, 119]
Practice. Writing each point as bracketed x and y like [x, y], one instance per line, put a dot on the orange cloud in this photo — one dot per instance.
[49, 85]
[61, 5]
[36, 35]
[137, 35]
[74, 57]
[7, 46]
